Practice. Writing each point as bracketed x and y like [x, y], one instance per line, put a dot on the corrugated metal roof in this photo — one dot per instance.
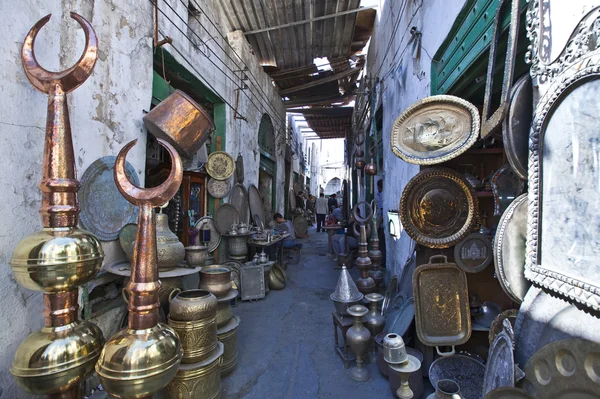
[294, 46]
[329, 123]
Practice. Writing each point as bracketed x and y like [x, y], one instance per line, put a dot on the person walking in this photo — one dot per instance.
[321, 209]
[332, 202]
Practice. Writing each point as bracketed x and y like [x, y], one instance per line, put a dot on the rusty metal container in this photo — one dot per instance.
[181, 122]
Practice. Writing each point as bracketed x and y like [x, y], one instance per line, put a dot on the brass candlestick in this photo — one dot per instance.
[365, 283]
[374, 253]
[142, 358]
[55, 360]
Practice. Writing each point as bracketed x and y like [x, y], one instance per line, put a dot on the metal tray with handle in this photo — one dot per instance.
[442, 313]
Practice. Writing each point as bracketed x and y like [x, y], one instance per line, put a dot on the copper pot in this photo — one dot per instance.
[216, 279]
[181, 122]
[359, 163]
[371, 168]
[191, 305]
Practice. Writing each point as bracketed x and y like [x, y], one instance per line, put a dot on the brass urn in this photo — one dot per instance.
[374, 321]
[142, 358]
[365, 283]
[358, 338]
[374, 253]
[56, 260]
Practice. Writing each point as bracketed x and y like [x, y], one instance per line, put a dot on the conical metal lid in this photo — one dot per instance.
[346, 290]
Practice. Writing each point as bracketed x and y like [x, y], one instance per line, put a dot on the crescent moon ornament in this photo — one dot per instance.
[69, 79]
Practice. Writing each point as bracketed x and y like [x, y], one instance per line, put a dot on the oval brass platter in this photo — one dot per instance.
[218, 188]
[434, 130]
[220, 165]
[437, 208]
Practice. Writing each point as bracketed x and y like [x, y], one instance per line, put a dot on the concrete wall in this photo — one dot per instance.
[106, 113]
[402, 82]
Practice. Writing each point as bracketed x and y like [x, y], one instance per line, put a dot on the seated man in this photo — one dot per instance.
[288, 227]
[337, 242]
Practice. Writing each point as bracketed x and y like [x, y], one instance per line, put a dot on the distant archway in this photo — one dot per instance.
[333, 186]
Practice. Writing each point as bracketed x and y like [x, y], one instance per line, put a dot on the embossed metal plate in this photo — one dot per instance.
[434, 130]
[256, 206]
[464, 370]
[239, 199]
[252, 278]
[509, 250]
[500, 367]
[104, 211]
[437, 208]
[218, 188]
[516, 125]
[564, 369]
[215, 236]
[474, 253]
[220, 165]
[225, 216]
[442, 310]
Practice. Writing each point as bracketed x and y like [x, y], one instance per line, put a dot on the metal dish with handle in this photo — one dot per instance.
[442, 313]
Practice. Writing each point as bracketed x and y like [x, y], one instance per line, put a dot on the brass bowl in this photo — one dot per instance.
[224, 313]
[56, 359]
[277, 277]
[198, 380]
[57, 259]
[198, 338]
[191, 305]
[216, 279]
[137, 363]
[228, 336]
[196, 255]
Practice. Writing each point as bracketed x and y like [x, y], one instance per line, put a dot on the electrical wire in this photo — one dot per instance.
[393, 35]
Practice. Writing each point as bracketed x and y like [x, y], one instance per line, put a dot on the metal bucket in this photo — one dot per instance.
[228, 337]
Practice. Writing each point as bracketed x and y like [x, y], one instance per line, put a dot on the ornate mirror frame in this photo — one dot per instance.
[576, 66]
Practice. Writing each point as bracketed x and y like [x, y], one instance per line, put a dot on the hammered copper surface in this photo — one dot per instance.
[442, 312]
[437, 208]
[220, 165]
[181, 122]
[564, 369]
[434, 130]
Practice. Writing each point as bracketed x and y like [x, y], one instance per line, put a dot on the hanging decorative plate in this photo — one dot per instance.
[256, 205]
[474, 253]
[437, 208]
[464, 370]
[300, 225]
[292, 200]
[104, 211]
[218, 188]
[500, 368]
[506, 186]
[225, 216]
[564, 369]
[239, 169]
[215, 236]
[509, 250]
[220, 165]
[434, 130]
[515, 129]
[239, 199]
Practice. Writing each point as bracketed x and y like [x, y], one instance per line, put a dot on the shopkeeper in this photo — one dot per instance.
[287, 227]
[337, 241]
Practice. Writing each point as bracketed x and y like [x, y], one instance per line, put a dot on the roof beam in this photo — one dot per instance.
[306, 21]
[319, 82]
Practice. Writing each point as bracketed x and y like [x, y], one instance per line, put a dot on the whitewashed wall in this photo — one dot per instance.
[390, 59]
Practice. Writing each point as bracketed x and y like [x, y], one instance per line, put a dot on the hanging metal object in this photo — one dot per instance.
[61, 257]
[142, 358]
[371, 168]
[365, 283]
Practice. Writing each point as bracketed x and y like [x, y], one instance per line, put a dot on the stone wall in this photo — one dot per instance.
[403, 81]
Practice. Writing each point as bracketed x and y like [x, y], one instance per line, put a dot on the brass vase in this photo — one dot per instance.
[374, 253]
[365, 283]
[142, 358]
[358, 338]
[374, 321]
[61, 257]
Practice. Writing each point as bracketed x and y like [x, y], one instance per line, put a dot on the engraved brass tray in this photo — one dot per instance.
[564, 369]
[437, 208]
[442, 312]
[434, 130]
[220, 165]
[218, 188]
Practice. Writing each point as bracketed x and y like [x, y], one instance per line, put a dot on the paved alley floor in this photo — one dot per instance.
[285, 341]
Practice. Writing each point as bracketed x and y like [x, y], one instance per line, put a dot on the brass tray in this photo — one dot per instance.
[442, 312]
[252, 280]
[239, 199]
[434, 130]
[438, 208]
[564, 369]
[220, 165]
[218, 188]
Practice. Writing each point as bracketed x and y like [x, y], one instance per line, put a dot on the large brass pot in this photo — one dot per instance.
[198, 380]
[198, 337]
[191, 305]
[228, 336]
[224, 313]
[277, 277]
[216, 279]
[180, 121]
[196, 255]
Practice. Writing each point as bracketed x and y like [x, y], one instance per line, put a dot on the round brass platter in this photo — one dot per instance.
[218, 188]
[437, 208]
[220, 165]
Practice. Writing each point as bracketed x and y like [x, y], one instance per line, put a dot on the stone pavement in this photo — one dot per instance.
[285, 341]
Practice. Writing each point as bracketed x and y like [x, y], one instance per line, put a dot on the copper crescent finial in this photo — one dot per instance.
[155, 196]
[69, 79]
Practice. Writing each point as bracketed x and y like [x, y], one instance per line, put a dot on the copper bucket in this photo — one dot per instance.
[181, 122]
